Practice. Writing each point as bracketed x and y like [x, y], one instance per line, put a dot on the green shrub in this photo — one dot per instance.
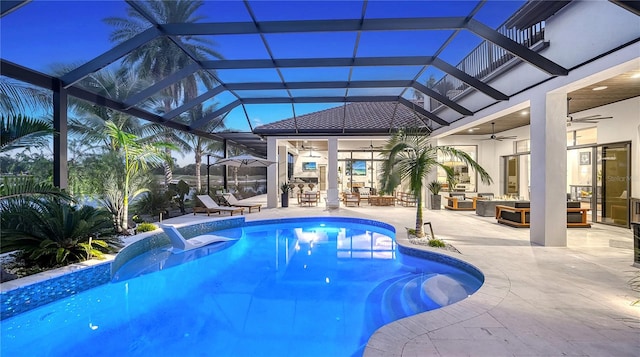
[178, 193]
[54, 232]
[436, 243]
[146, 227]
[434, 187]
[153, 202]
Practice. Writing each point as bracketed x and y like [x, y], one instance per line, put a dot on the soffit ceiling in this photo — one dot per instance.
[303, 53]
[618, 88]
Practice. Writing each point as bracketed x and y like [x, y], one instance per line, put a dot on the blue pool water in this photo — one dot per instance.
[312, 288]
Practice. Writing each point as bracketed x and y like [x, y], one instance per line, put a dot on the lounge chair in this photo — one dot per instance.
[211, 206]
[180, 244]
[233, 201]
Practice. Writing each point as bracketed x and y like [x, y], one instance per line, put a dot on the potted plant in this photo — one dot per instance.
[434, 188]
[284, 197]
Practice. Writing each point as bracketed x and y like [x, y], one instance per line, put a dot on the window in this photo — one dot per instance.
[464, 179]
[587, 136]
[523, 146]
[290, 163]
[582, 137]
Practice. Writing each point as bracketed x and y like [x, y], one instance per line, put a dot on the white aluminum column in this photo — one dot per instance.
[333, 201]
[549, 169]
[273, 188]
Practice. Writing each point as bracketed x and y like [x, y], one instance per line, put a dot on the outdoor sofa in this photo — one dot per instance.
[519, 215]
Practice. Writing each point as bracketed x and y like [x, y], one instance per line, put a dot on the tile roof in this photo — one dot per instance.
[360, 117]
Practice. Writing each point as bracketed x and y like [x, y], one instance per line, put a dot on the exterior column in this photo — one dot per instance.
[273, 186]
[333, 200]
[225, 171]
[549, 170]
[60, 166]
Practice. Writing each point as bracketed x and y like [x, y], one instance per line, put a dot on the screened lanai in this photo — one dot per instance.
[231, 66]
[230, 70]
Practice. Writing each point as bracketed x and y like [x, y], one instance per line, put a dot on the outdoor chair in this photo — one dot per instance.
[519, 216]
[309, 197]
[210, 206]
[351, 198]
[364, 192]
[180, 244]
[231, 199]
[459, 202]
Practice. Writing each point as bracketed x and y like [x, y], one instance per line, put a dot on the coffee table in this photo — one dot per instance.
[382, 200]
[487, 208]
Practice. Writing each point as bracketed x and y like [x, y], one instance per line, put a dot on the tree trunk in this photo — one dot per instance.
[168, 173]
[235, 177]
[419, 219]
[125, 215]
[198, 175]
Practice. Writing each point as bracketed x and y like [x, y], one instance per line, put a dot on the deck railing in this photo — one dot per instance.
[486, 59]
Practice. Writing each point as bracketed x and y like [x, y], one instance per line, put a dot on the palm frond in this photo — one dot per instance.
[21, 186]
[20, 131]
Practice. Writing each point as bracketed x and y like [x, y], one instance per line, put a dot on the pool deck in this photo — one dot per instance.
[536, 301]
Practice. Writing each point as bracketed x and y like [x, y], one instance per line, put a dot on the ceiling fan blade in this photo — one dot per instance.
[596, 119]
[506, 137]
[587, 118]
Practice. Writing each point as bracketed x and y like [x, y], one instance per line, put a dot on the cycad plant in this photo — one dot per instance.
[412, 157]
[54, 232]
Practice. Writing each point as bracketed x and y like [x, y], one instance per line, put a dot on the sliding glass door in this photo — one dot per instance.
[613, 172]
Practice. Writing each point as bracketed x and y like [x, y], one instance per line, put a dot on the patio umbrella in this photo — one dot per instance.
[245, 160]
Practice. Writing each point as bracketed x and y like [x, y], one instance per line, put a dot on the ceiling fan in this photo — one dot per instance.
[497, 137]
[310, 148]
[371, 147]
[588, 119]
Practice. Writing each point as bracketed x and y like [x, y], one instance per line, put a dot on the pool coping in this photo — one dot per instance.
[395, 338]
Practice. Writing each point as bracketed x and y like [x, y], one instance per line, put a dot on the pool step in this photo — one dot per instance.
[405, 297]
[410, 294]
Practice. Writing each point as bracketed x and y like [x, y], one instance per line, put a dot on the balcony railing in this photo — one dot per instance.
[485, 60]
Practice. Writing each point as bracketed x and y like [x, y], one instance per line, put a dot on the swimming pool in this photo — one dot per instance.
[303, 287]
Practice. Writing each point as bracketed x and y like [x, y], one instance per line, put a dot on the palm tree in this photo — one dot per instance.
[88, 121]
[137, 156]
[161, 57]
[200, 145]
[18, 131]
[412, 157]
